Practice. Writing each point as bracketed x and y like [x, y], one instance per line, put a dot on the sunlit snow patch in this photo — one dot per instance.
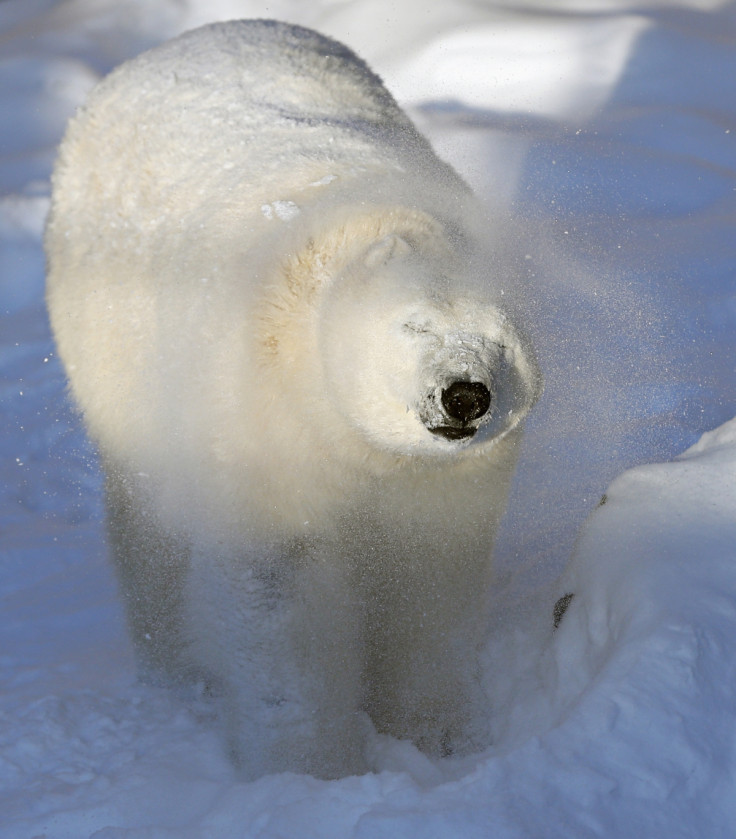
[551, 66]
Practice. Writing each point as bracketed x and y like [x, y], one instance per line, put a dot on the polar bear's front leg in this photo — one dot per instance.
[280, 631]
[424, 679]
[152, 568]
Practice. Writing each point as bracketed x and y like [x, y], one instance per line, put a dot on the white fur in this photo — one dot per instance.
[261, 280]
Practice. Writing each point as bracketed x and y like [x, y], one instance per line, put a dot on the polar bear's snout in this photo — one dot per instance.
[463, 405]
[466, 372]
[459, 409]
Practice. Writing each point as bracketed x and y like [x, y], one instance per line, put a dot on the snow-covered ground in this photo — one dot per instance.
[609, 128]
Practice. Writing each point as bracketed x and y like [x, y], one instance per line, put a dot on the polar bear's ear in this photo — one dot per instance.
[379, 253]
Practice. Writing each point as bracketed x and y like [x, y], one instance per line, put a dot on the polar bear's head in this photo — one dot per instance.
[413, 366]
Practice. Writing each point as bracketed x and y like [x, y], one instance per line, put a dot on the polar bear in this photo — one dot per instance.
[285, 339]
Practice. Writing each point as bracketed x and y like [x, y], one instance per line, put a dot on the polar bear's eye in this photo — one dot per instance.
[419, 328]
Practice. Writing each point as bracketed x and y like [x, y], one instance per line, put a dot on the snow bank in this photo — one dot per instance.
[621, 722]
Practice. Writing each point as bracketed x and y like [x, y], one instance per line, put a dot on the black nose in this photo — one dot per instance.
[466, 401]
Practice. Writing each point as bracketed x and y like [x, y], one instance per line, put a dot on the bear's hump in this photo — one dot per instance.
[254, 69]
[297, 68]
